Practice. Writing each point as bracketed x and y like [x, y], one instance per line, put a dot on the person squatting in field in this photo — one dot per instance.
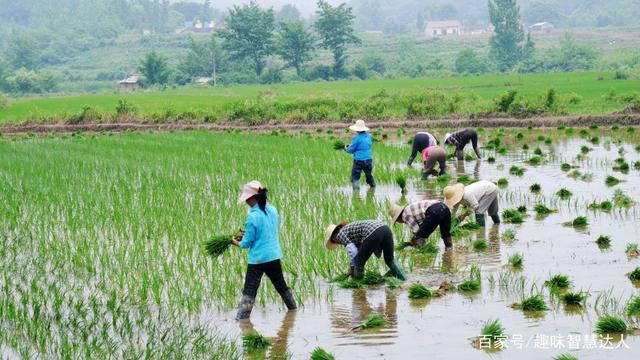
[479, 197]
[261, 238]
[361, 149]
[361, 239]
[431, 156]
[460, 139]
[421, 141]
[424, 216]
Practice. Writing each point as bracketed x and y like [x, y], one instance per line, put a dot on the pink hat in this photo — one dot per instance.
[250, 189]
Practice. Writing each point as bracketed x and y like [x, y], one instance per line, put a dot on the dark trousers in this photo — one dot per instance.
[363, 165]
[470, 137]
[436, 215]
[273, 270]
[380, 241]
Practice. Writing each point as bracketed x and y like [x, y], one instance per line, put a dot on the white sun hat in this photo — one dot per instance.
[251, 188]
[359, 126]
[327, 240]
[396, 211]
[446, 137]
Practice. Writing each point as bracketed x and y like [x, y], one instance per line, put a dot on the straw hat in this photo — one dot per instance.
[446, 137]
[251, 188]
[396, 211]
[359, 126]
[453, 194]
[328, 243]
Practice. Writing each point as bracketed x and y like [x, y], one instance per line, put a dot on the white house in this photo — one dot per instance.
[541, 27]
[444, 28]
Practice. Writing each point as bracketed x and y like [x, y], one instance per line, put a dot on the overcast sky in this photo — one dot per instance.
[306, 7]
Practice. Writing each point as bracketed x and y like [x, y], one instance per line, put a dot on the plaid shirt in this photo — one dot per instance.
[357, 231]
[414, 214]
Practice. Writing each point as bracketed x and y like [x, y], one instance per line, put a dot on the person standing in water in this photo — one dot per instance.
[421, 141]
[460, 139]
[362, 159]
[431, 156]
[362, 239]
[423, 217]
[261, 238]
[480, 197]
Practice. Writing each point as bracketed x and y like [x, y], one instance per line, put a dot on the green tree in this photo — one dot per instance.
[506, 43]
[335, 27]
[294, 44]
[469, 62]
[203, 60]
[155, 69]
[573, 56]
[23, 52]
[288, 13]
[249, 34]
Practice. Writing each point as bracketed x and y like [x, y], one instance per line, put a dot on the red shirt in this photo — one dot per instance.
[425, 153]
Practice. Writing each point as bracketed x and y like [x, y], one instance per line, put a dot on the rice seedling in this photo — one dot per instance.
[611, 180]
[633, 307]
[509, 235]
[373, 321]
[492, 159]
[622, 167]
[603, 241]
[534, 160]
[515, 170]
[522, 209]
[402, 182]
[574, 298]
[541, 209]
[503, 182]
[558, 281]
[525, 146]
[516, 261]
[339, 145]
[321, 354]
[339, 278]
[540, 137]
[585, 149]
[393, 282]
[502, 151]
[621, 199]
[493, 331]
[217, 245]
[512, 216]
[603, 206]
[632, 250]
[538, 151]
[472, 284]
[469, 157]
[565, 357]
[535, 188]
[419, 291]
[565, 167]
[479, 245]
[351, 284]
[372, 278]
[595, 140]
[253, 341]
[583, 133]
[519, 136]
[580, 222]
[548, 141]
[564, 194]
[466, 179]
[611, 325]
[533, 303]
[636, 165]
[634, 275]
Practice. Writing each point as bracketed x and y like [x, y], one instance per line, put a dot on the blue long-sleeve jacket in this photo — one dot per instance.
[361, 146]
[261, 235]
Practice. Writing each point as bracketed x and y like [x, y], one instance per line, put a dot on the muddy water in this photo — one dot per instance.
[441, 328]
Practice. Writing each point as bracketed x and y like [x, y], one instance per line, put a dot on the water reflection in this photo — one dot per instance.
[279, 348]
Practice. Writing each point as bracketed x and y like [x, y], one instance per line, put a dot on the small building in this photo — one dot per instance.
[202, 80]
[130, 84]
[444, 28]
[541, 27]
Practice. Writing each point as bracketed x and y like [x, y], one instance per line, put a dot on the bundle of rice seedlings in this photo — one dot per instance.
[537, 151]
[419, 291]
[611, 325]
[541, 209]
[473, 283]
[470, 157]
[633, 307]
[320, 354]
[512, 216]
[470, 225]
[373, 321]
[339, 278]
[585, 149]
[634, 275]
[580, 222]
[611, 180]
[338, 145]
[253, 341]
[540, 137]
[519, 135]
[565, 357]
[632, 250]
[466, 179]
[604, 206]
[393, 282]
[503, 182]
[525, 146]
[351, 284]
[509, 235]
[217, 245]
[516, 260]
[603, 241]
[565, 167]
[621, 199]
[534, 160]
[622, 167]
[558, 282]
[429, 247]
[518, 171]
[522, 209]
[479, 245]
[533, 303]
[564, 194]
[402, 182]
[595, 140]
[535, 188]
[492, 330]
[492, 159]
[372, 278]
[574, 298]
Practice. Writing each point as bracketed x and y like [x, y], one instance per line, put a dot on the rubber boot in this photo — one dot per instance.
[448, 242]
[480, 220]
[459, 154]
[356, 185]
[496, 219]
[358, 272]
[288, 299]
[425, 176]
[245, 307]
[397, 271]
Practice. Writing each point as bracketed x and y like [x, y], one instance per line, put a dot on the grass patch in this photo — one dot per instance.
[419, 291]
[611, 325]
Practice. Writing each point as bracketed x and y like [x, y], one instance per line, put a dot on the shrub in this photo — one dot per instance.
[125, 108]
[611, 325]
[419, 291]
[551, 100]
[504, 102]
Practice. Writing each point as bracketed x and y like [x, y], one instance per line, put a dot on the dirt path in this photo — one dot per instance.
[620, 119]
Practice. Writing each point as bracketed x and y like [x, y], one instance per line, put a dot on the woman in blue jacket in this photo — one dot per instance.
[361, 149]
[261, 238]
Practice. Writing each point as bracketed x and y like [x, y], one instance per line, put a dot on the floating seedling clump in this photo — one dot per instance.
[632, 250]
[535, 188]
[633, 307]
[253, 341]
[492, 331]
[603, 206]
[509, 235]
[533, 303]
[515, 170]
[372, 278]
[351, 283]
[516, 261]
[580, 222]
[574, 298]
[473, 283]
[564, 194]
[603, 241]
[558, 282]
[479, 245]
[611, 180]
[541, 209]
[634, 275]
[217, 245]
[419, 291]
[611, 325]
[321, 354]
[512, 216]
[393, 283]
[373, 321]
[503, 182]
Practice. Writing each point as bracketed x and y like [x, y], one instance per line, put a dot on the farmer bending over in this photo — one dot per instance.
[424, 216]
[460, 139]
[361, 149]
[361, 239]
[479, 197]
[421, 141]
[431, 156]
[261, 238]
